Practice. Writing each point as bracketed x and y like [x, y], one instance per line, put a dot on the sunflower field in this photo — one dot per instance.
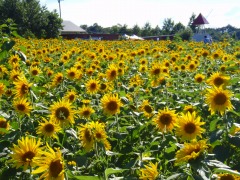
[76, 109]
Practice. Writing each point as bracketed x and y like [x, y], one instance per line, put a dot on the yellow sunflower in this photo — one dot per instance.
[142, 68]
[217, 79]
[86, 136]
[24, 152]
[165, 120]
[106, 86]
[14, 59]
[112, 72]
[21, 87]
[227, 176]
[4, 125]
[62, 112]
[161, 80]
[51, 164]
[48, 129]
[72, 73]
[100, 134]
[2, 89]
[190, 151]
[188, 126]
[218, 100]
[199, 78]
[111, 104]
[149, 172]
[86, 111]
[22, 106]
[156, 69]
[15, 74]
[146, 108]
[189, 108]
[71, 96]
[135, 81]
[92, 86]
[34, 70]
[3, 70]
[57, 79]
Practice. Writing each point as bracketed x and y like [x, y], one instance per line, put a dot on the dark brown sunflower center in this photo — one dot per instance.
[165, 70]
[71, 97]
[59, 78]
[191, 110]
[3, 124]
[165, 119]
[220, 99]
[196, 150]
[72, 74]
[34, 72]
[191, 66]
[199, 79]
[15, 77]
[148, 108]
[183, 67]
[87, 135]
[55, 168]
[24, 89]
[93, 86]
[28, 156]
[62, 113]
[21, 107]
[103, 86]
[218, 81]
[205, 54]
[98, 135]
[227, 177]
[113, 73]
[8, 92]
[86, 113]
[223, 68]
[49, 128]
[112, 106]
[215, 55]
[156, 71]
[190, 128]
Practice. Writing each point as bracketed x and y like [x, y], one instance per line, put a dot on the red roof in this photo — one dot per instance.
[200, 20]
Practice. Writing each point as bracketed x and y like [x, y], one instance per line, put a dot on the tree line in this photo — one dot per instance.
[169, 28]
[30, 19]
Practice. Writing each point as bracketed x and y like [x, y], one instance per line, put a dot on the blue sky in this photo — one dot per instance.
[107, 13]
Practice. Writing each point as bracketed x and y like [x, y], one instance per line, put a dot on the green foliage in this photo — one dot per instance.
[31, 19]
[185, 34]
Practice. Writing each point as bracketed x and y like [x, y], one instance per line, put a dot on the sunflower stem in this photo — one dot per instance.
[96, 149]
[116, 121]
[225, 121]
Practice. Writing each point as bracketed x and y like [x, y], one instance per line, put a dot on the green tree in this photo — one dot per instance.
[156, 31]
[124, 29]
[51, 28]
[146, 30]
[168, 25]
[185, 34]
[136, 30]
[190, 23]
[178, 27]
[95, 28]
[31, 18]
[84, 26]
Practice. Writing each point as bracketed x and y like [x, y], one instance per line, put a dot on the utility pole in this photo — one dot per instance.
[60, 7]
